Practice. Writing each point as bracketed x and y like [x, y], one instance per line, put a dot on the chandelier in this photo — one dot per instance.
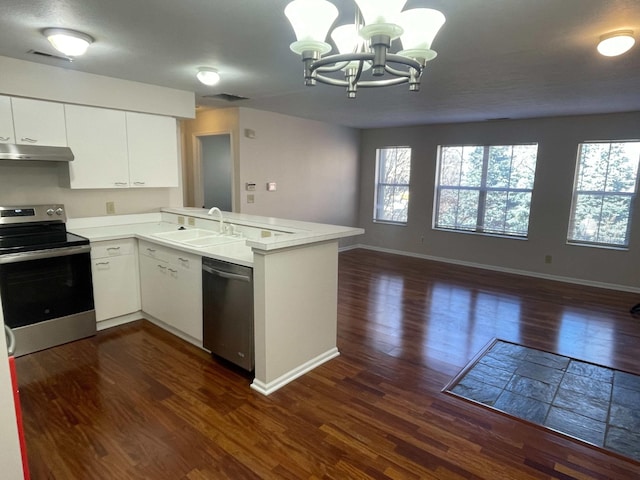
[364, 46]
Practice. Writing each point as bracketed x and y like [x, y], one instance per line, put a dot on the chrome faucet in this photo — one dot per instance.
[219, 212]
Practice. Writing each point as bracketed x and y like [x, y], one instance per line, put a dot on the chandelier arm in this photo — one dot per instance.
[383, 83]
[336, 82]
[409, 62]
[337, 67]
[341, 58]
[397, 73]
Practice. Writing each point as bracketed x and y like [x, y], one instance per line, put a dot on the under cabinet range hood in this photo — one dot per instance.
[11, 151]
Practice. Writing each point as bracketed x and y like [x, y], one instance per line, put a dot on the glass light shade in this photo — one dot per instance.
[616, 43]
[68, 42]
[348, 40]
[380, 11]
[208, 76]
[311, 19]
[420, 26]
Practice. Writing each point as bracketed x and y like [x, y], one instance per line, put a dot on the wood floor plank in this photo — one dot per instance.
[135, 402]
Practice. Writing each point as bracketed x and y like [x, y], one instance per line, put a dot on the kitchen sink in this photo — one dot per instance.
[197, 237]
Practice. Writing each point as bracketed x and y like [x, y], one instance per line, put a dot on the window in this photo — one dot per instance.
[603, 194]
[485, 189]
[393, 169]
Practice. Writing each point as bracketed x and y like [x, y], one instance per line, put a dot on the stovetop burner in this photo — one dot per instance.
[37, 227]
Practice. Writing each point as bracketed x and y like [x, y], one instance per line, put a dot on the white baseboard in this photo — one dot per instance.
[121, 320]
[281, 381]
[174, 331]
[527, 273]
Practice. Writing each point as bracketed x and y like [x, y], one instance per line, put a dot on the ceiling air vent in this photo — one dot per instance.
[226, 96]
[48, 55]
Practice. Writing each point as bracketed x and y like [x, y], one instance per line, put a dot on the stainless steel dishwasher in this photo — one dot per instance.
[228, 311]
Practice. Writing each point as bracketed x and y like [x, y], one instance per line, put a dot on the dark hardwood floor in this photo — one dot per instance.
[134, 402]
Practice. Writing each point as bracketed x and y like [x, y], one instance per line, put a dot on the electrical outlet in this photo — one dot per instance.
[111, 208]
[191, 220]
[265, 233]
[251, 198]
[180, 220]
[548, 258]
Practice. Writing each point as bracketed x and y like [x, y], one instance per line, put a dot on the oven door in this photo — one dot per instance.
[47, 296]
[42, 285]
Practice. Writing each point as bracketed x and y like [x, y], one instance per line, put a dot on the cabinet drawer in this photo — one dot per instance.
[152, 250]
[112, 248]
[186, 261]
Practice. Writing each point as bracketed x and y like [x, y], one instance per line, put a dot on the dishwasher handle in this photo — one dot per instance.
[11, 341]
[231, 276]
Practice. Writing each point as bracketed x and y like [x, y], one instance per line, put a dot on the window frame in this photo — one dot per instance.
[377, 207]
[575, 192]
[482, 190]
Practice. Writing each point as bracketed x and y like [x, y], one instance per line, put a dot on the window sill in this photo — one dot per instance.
[482, 234]
[388, 222]
[595, 245]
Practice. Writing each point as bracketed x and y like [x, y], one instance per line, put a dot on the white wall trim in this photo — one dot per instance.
[121, 320]
[545, 276]
[268, 388]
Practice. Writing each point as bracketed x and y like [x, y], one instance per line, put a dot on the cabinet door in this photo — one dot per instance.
[154, 287]
[153, 150]
[116, 290]
[185, 310]
[98, 139]
[39, 123]
[6, 121]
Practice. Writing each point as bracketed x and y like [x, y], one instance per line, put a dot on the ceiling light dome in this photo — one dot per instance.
[208, 76]
[68, 42]
[616, 43]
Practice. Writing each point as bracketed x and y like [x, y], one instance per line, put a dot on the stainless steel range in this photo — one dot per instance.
[45, 278]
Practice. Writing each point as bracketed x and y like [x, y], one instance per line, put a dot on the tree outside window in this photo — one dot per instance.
[485, 189]
[393, 171]
[606, 184]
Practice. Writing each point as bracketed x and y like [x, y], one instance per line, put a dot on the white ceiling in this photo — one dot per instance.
[496, 58]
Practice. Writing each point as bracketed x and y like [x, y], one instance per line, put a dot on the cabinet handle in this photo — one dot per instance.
[185, 260]
[139, 183]
[173, 271]
[151, 250]
[28, 140]
[102, 263]
[113, 248]
[162, 267]
[121, 184]
[4, 139]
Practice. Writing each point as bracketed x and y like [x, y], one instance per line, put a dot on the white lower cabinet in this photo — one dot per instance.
[116, 284]
[171, 287]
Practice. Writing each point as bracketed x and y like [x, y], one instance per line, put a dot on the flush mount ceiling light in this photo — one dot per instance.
[365, 44]
[69, 42]
[616, 43]
[208, 76]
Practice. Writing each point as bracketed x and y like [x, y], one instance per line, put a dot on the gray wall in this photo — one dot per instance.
[557, 140]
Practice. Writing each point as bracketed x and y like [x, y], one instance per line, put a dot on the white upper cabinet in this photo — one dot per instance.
[115, 149]
[39, 123]
[6, 121]
[153, 150]
[98, 139]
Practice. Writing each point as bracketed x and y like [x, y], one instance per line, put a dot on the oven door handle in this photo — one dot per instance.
[11, 341]
[39, 254]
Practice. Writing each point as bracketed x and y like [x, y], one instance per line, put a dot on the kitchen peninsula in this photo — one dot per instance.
[295, 270]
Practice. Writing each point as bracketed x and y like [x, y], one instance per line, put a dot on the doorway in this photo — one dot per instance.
[216, 171]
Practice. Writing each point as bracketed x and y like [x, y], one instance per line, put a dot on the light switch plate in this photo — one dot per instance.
[272, 187]
[251, 198]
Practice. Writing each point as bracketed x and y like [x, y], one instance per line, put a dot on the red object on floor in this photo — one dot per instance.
[16, 401]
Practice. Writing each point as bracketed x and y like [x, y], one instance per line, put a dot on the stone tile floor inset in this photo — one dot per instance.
[592, 403]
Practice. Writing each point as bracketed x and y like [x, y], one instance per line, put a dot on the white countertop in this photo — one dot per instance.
[297, 232]
[287, 233]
